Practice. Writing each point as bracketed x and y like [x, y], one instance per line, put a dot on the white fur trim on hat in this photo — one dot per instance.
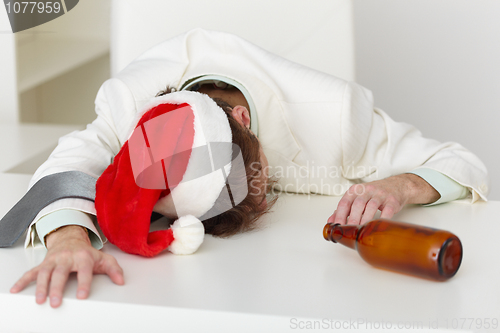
[188, 235]
[198, 195]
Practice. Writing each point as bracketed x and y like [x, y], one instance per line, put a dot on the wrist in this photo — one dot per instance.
[67, 233]
[421, 192]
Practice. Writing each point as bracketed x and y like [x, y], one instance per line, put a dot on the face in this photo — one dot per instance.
[242, 116]
[240, 113]
[265, 175]
[166, 207]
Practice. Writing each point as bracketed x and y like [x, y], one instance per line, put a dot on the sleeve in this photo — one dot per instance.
[66, 217]
[92, 149]
[371, 138]
[447, 188]
[89, 151]
[60, 216]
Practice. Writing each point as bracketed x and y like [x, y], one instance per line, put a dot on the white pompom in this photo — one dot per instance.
[188, 235]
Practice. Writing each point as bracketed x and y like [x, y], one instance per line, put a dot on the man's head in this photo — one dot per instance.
[243, 216]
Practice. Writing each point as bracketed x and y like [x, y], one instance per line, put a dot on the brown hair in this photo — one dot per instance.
[243, 216]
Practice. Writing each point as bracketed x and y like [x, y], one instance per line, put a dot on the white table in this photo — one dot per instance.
[278, 279]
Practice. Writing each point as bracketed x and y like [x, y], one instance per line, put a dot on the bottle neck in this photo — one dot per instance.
[342, 234]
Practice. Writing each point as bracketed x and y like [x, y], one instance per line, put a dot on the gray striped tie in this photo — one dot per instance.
[69, 184]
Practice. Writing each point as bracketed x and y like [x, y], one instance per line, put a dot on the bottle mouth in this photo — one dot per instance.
[450, 257]
[333, 232]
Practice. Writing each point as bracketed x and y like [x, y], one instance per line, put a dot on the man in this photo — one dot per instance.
[319, 133]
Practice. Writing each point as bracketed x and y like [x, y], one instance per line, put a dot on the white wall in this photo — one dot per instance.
[8, 79]
[316, 33]
[68, 98]
[436, 64]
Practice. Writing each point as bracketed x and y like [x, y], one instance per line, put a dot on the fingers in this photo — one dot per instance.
[52, 274]
[388, 212]
[24, 281]
[331, 219]
[370, 210]
[362, 201]
[111, 267]
[44, 276]
[345, 207]
[116, 275]
[84, 276]
[55, 276]
[357, 210]
[42, 283]
[57, 283]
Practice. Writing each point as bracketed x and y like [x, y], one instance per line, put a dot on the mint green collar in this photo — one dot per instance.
[195, 83]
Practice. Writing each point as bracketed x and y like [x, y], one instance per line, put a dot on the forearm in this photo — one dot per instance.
[417, 190]
[449, 189]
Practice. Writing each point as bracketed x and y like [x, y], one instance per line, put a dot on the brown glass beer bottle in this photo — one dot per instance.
[402, 247]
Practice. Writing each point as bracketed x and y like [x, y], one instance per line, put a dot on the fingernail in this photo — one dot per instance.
[40, 298]
[54, 301]
[81, 294]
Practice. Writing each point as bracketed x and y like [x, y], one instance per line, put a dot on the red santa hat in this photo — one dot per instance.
[177, 159]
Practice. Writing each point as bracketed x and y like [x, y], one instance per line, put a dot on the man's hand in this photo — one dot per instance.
[68, 250]
[360, 203]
